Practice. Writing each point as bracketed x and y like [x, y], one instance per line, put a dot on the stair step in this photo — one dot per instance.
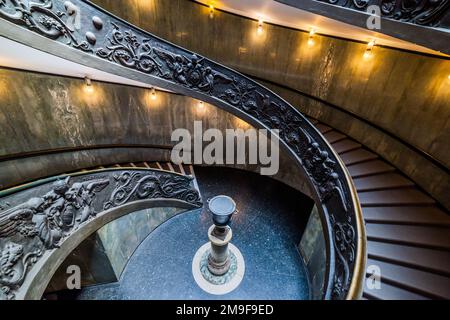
[428, 259]
[165, 166]
[420, 282]
[389, 292]
[188, 169]
[140, 165]
[420, 236]
[154, 165]
[323, 128]
[345, 145]
[407, 215]
[334, 136]
[313, 121]
[382, 181]
[407, 196]
[181, 169]
[146, 164]
[357, 156]
[369, 168]
[169, 167]
[175, 168]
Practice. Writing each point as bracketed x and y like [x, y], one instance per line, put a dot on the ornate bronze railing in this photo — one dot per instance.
[81, 32]
[42, 222]
[428, 13]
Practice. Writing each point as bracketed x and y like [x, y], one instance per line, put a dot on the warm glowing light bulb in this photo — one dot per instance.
[201, 108]
[368, 52]
[153, 94]
[312, 32]
[211, 11]
[260, 26]
[88, 85]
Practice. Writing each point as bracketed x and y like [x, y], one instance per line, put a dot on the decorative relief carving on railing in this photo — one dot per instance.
[117, 42]
[344, 244]
[44, 216]
[43, 18]
[422, 12]
[133, 186]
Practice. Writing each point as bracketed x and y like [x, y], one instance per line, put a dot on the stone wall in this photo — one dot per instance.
[121, 237]
[313, 252]
[103, 256]
[51, 125]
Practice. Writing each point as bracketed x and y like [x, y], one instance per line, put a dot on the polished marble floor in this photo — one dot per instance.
[266, 229]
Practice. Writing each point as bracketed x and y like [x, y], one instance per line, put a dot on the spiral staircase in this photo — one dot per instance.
[408, 233]
[372, 214]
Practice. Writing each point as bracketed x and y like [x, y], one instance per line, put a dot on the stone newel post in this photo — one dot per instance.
[220, 234]
[218, 266]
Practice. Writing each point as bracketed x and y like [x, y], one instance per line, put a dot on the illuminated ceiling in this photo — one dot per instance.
[280, 14]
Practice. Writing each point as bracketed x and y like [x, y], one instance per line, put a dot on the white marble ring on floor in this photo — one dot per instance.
[229, 281]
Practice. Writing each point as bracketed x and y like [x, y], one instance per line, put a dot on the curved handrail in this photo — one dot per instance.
[105, 42]
[45, 220]
[424, 23]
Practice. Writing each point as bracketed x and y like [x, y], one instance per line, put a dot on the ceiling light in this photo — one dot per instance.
[368, 52]
[312, 32]
[153, 94]
[260, 29]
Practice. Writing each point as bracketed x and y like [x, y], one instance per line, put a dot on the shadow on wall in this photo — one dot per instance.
[103, 256]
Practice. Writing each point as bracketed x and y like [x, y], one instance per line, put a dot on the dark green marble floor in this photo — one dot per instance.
[267, 228]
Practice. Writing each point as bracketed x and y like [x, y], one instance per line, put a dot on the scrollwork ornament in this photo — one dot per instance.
[345, 248]
[43, 18]
[132, 186]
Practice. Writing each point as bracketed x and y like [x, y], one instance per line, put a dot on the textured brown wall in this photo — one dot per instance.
[39, 112]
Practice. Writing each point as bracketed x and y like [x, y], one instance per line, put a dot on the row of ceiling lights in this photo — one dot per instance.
[260, 30]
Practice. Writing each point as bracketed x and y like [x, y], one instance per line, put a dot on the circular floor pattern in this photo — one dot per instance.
[214, 284]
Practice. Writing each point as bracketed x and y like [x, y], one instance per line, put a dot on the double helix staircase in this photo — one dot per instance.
[408, 233]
